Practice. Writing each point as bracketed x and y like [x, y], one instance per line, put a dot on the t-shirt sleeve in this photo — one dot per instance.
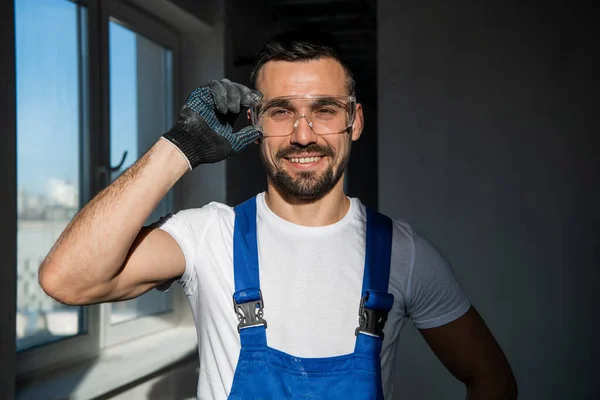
[434, 296]
[180, 227]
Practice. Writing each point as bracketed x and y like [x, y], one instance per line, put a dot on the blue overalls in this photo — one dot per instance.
[265, 373]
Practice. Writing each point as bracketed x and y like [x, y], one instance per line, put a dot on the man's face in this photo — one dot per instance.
[306, 166]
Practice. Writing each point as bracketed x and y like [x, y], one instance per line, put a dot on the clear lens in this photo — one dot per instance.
[326, 115]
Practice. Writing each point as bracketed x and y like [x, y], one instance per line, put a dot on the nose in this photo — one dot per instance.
[303, 133]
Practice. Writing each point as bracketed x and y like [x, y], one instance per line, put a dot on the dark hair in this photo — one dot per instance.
[302, 45]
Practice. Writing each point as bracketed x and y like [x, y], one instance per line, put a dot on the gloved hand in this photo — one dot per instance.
[204, 132]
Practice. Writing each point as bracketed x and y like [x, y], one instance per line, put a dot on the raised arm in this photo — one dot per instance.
[85, 264]
[105, 254]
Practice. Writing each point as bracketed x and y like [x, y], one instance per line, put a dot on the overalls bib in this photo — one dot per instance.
[265, 373]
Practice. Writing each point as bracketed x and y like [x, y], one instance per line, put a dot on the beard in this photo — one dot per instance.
[306, 186]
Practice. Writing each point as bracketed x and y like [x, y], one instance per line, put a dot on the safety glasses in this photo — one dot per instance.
[325, 115]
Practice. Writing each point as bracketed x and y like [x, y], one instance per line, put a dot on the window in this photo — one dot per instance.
[50, 86]
[82, 106]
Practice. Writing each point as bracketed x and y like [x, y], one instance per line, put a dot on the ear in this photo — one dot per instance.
[359, 123]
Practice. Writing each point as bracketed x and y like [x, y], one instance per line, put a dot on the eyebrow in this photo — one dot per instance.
[278, 103]
[285, 103]
[326, 102]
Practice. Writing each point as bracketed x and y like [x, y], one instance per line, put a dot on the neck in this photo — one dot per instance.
[325, 211]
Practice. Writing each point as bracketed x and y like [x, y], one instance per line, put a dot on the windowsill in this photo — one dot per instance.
[117, 367]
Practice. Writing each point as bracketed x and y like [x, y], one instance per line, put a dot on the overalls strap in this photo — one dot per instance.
[378, 252]
[375, 302]
[245, 249]
[247, 299]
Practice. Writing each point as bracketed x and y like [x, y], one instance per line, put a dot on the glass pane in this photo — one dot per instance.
[49, 55]
[140, 111]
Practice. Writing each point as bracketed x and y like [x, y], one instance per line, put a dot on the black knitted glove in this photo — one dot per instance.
[204, 132]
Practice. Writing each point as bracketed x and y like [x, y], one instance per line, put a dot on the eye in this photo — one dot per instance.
[278, 113]
[325, 111]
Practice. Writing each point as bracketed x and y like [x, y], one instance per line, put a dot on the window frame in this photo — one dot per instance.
[94, 158]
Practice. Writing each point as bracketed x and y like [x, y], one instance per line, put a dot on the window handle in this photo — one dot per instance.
[118, 166]
[104, 175]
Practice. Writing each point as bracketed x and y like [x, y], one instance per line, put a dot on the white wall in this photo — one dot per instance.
[486, 116]
[176, 383]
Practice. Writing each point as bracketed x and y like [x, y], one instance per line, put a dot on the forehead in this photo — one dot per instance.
[284, 78]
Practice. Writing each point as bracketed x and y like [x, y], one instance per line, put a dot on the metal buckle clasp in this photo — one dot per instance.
[249, 313]
[370, 321]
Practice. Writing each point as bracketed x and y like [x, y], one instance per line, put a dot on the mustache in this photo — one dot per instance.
[289, 151]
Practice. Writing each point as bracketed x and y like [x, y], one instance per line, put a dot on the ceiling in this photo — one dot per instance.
[352, 22]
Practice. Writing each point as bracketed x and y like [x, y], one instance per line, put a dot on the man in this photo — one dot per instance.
[301, 260]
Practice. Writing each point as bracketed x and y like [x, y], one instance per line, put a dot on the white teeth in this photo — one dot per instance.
[304, 160]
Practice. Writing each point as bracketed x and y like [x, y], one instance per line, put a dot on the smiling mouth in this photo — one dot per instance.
[304, 160]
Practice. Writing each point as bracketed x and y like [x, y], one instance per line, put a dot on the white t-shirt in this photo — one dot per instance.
[311, 281]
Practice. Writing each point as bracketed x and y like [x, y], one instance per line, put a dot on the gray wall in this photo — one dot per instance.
[361, 174]
[486, 116]
[8, 201]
